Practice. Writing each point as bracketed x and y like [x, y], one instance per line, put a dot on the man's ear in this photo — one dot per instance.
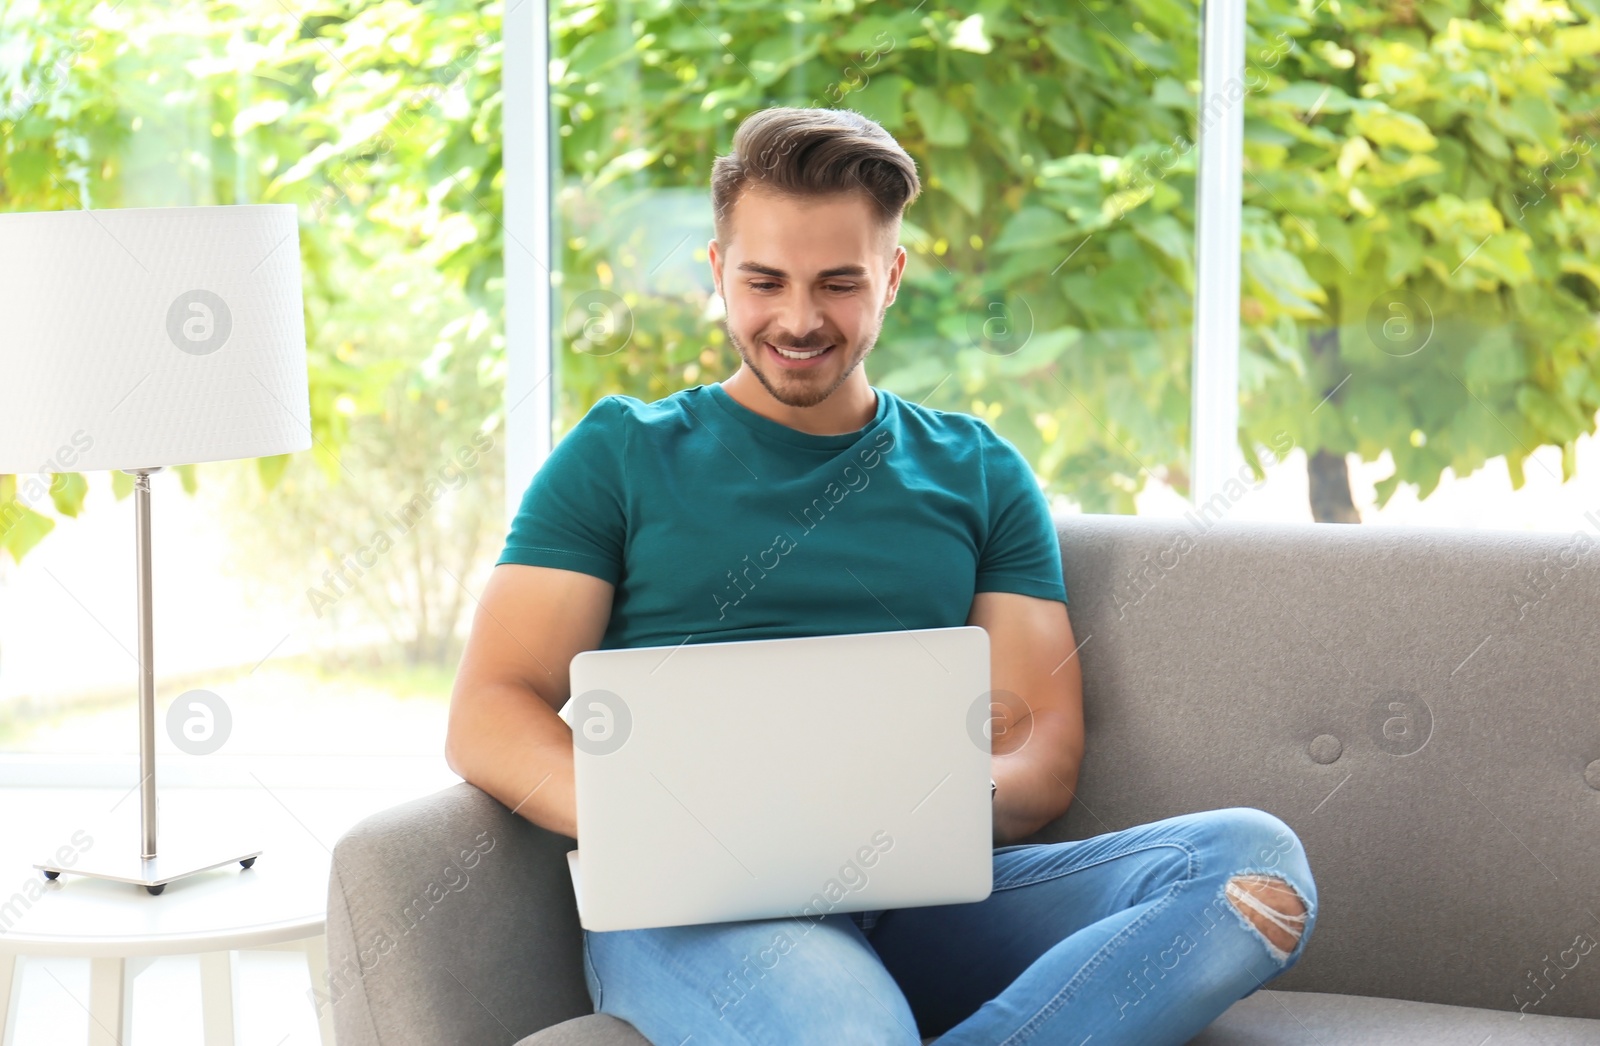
[897, 266]
[714, 258]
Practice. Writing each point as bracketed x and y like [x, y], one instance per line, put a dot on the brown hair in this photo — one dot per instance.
[809, 153]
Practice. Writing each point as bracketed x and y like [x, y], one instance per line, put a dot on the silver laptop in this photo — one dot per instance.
[783, 777]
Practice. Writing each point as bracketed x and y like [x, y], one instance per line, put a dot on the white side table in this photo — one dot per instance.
[279, 903]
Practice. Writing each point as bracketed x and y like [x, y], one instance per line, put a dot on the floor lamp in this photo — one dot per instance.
[133, 340]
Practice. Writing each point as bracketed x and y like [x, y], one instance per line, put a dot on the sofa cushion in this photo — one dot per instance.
[1279, 1018]
[597, 1029]
[1417, 703]
[1267, 1018]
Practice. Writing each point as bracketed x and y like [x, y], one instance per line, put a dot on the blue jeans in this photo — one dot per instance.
[1127, 937]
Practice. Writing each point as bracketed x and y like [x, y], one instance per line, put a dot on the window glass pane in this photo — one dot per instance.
[1419, 227]
[1050, 273]
[322, 596]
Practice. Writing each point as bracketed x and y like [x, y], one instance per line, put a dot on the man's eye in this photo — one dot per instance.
[837, 287]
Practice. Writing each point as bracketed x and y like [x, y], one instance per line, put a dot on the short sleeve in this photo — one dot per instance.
[573, 515]
[1021, 551]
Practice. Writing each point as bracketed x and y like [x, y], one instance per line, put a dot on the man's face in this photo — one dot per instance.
[805, 275]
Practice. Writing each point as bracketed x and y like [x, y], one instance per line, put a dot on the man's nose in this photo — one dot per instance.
[799, 317]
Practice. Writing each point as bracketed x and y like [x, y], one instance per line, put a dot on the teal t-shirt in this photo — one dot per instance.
[717, 524]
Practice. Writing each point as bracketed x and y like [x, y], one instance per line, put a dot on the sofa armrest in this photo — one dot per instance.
[451, 920]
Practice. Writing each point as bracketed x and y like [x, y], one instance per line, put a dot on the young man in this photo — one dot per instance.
[790, 500]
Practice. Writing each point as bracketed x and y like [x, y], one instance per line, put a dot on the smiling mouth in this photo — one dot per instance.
[798, 354]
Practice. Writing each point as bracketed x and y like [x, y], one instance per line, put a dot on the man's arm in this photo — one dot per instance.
[505, 735]
[1037, 709]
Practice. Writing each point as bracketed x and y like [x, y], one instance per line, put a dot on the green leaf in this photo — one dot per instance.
[1157, 54]
[883, 100]
[1042, 349]
[1373, 407]
[1165, 12]
[776, 54]
[1403, 254]
[1033, 226]
[1282, 277]
[1495, 359]
[1536, 118]
[1333, 236]
[1071, 44]
[942, 123]
[270, 469]
[67, 490]
[1166, 235]
[1578, 41]
[1429, 480]
[1172, 94]
[864, 36]
[1505, 255]
[630, 162]
[1384, 489]
[1554, 417]
[1486, 138]
[918, 377]
[1514, 468]
[1392, 127]
[25, 531]
[960, 177]
[1264, 133]
[1003, 103]
[1307, 95]
[592, 56]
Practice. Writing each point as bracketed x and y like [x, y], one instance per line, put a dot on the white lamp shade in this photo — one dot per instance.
[149, 337]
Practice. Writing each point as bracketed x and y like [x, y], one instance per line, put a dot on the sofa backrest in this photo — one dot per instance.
[1419, 705]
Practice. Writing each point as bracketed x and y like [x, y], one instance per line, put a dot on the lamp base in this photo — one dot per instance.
[152, 873]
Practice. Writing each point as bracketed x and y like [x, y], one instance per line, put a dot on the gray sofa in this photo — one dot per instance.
[1420, 705]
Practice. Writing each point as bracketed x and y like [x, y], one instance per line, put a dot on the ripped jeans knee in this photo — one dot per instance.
[1272, 908]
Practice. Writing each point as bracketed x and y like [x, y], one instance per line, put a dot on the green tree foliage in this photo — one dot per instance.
[379, 120]
[1419, 214]
[1418, 227]
[59, 120]
[1433, 166]
[1048, 288]
[419, 495]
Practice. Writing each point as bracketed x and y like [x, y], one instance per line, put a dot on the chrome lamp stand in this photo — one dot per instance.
[150, 870]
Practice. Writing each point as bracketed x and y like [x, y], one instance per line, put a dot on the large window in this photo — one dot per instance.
[1419, 207]
[1417, 316]
[1417, 294]
[1050, 275]
[321, 596]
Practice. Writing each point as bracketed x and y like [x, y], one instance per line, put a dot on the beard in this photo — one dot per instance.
[803, 388]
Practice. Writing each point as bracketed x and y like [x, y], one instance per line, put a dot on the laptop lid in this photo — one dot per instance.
[785, 777]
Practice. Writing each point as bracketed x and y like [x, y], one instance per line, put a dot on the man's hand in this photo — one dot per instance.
[1036, 709]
